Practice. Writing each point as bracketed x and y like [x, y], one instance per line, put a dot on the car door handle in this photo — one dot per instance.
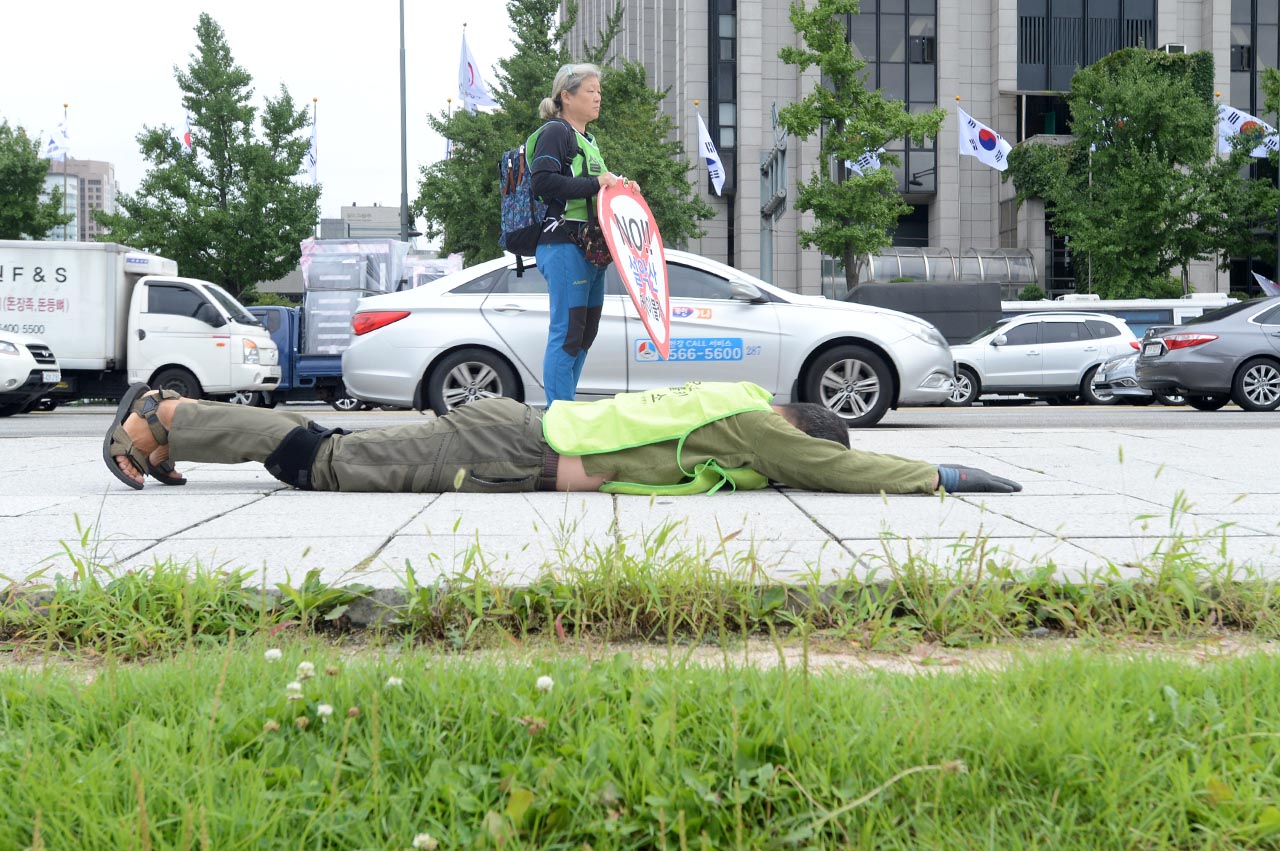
[510, 308]
[142, 335]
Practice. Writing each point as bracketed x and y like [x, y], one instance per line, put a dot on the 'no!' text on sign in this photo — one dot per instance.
[632, 235]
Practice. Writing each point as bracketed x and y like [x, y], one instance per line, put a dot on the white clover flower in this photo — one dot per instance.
[323, 711]
[545, 683]
[426, 842]
[394, 682]
[294, 690]
[273, 655]
[306, 670]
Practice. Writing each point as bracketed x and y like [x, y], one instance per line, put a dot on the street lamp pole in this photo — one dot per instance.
[404, 142]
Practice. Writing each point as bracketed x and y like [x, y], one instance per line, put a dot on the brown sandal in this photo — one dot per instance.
[118, 443]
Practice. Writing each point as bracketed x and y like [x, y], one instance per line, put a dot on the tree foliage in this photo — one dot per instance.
[458, 197]
[855, 214]
[1140, 192]
[233, 211]
[22, 174]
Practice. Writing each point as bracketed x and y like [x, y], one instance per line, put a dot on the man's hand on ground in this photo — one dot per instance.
[954, 478]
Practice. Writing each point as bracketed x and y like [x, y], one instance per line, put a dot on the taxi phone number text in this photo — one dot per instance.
[722, 349]
[15, 328]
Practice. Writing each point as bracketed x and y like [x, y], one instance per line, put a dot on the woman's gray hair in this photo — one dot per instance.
[568, 79]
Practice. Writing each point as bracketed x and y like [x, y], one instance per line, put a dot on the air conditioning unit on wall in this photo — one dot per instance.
[1174, 48]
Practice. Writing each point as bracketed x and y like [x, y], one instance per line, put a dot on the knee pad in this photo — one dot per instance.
[591, 326]
[292, 460]
[574, 333]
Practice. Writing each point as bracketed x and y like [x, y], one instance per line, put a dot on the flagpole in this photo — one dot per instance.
[64, 175]
[315, 141]
[448, 143]
[404, 142]
[959, 218]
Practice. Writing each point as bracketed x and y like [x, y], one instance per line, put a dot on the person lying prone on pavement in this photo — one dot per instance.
[696, 438]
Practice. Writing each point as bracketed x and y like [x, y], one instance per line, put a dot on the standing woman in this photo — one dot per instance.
[567, 172]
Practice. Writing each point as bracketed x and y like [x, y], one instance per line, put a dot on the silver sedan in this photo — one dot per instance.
[1231, 354]
[482, 332]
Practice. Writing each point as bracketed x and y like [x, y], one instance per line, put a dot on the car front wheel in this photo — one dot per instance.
[1169, 398]
[1207, 403]
[1256, 386]
[343, 402]
[468, 375]
[1095, 395]
[853, 381]
[965, 391]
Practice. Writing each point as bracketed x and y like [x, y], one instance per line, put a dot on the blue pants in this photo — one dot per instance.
[576, 288]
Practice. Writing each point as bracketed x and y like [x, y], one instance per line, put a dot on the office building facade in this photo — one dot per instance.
[92, 183]
[1006, 61]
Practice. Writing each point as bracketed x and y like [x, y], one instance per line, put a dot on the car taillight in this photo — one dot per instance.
[1135, 345]
[372, 320]
[1186, 341]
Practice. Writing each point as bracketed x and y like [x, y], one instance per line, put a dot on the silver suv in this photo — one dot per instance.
[1046, 355]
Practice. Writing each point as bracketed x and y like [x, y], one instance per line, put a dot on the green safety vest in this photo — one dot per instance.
[588, 158]
[655, 416]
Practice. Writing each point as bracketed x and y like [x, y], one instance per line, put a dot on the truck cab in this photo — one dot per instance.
[303, 377]
[172, 343]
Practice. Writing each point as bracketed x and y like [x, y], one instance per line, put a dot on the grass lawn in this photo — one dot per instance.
[400, 746]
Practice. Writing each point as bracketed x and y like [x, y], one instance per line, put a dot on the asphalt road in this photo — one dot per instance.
[77, 421]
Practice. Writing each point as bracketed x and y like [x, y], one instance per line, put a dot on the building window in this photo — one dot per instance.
[723, 86]
[1057, 37]
[898, 39]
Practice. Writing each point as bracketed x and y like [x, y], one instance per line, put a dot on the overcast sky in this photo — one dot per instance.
[113, 63]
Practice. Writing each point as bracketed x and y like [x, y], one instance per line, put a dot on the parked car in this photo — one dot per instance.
[1231, 354]
[1119, 378]
[1051, 355]
[482, 332]
[28, 371]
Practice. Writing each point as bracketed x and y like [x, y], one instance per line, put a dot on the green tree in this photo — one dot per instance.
[1140, 192]
[233, 211]
[855, 214]
[458, 197]
[22, 173]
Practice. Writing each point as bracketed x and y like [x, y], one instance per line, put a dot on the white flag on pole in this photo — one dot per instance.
[471, 88]
[715, 168]
[1232, 121]
[1269, 287]
[313, 153]
[186, 136]
[868, 162]
[979, 140]
[58, 145]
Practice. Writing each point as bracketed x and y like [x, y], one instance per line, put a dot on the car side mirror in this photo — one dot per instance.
[999, 340]
[208, 314]
[743, 291]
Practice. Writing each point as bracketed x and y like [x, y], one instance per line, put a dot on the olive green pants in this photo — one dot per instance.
[488, 446]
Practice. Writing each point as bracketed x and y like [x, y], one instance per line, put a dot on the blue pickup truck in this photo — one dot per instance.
[303, 377]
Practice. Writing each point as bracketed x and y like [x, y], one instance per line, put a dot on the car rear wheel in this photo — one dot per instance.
[853, 381]
[468, 375]
[245, 397]
[180, 381]
[1169, 398]
[966, 389]
[1095, 395]
[1207, 403]
[1256, 386]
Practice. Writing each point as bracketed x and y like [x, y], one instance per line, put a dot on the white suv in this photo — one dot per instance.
[1047, 355]
[28, 370]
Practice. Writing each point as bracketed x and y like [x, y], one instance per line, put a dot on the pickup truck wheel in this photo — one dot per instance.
[250, 398]
[178, 380]
[344, 402]
[467, 375]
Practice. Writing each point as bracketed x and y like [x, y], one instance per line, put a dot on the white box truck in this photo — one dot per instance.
[113, 316]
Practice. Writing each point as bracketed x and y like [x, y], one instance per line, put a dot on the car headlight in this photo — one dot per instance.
[925, 331]
[251, 352]
[7, 348]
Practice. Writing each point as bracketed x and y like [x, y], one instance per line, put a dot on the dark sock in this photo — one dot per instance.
[954, 478]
